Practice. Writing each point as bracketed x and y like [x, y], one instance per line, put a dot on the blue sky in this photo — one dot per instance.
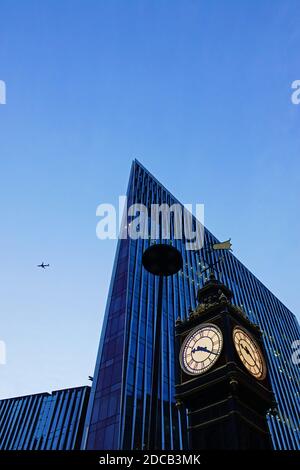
[199, 91]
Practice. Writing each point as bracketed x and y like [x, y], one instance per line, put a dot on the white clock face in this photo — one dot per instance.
[201, 349]
[249, 353]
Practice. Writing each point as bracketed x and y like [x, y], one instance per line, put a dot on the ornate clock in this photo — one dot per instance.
[249, 353]
[227, 402]
[201, 349]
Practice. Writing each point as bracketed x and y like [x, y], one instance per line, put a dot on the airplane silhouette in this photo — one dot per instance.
[44, 266]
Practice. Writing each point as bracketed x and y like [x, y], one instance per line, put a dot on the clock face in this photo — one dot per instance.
[201, 349]
[249, 353]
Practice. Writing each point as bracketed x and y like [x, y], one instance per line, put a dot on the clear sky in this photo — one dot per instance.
[199, 91]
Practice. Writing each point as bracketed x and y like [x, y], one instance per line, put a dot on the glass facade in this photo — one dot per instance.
[44, 421]
[117, 416]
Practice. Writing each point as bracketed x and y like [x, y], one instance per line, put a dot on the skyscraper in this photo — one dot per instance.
[118, 410]
[44, 421]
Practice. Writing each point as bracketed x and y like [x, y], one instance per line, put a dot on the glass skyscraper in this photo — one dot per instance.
[118, 412]
[44, 421]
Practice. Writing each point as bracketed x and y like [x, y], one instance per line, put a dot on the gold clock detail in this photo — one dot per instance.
[249, 353]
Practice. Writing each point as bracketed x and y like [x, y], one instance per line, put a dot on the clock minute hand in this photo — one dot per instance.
[211, 352]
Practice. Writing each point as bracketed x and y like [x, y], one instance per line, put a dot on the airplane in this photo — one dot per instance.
[44, 266]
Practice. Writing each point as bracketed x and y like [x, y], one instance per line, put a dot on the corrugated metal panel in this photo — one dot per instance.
[44, 421]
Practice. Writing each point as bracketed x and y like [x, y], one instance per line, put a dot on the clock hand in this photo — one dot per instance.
[203, 348]
[211, 352]
[247, 351]
[199, 348]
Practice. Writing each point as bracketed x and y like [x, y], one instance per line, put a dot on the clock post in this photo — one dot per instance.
[161, 260]
[222, 376]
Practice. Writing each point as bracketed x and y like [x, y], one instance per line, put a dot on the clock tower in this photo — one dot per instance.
[222, 377]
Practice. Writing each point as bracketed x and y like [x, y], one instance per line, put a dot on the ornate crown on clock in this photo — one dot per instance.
[212, 295]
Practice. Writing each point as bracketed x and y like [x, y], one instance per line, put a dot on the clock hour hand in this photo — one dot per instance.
[247, 351]
[199, 348]
[203, 348]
